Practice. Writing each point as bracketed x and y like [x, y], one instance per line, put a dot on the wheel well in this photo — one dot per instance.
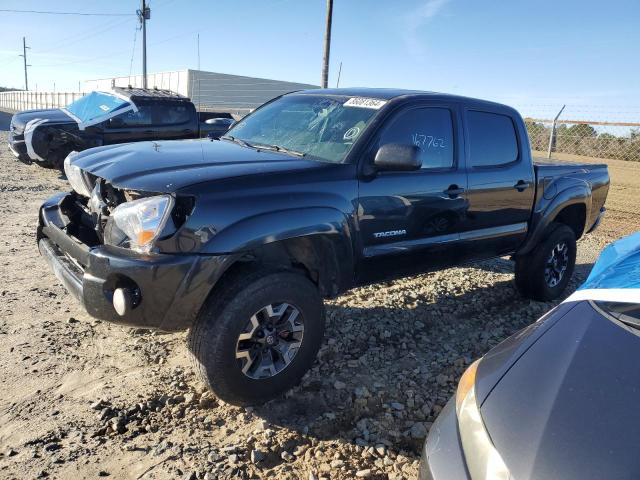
[575, 217]
[313, 256]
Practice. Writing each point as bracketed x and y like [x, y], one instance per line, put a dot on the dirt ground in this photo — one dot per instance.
[82, 398]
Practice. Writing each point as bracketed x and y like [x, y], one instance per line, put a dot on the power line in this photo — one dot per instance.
[84, 35]
[67, 13]
[133, 51]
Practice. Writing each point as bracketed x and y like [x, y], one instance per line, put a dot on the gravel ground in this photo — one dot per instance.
[82, 398]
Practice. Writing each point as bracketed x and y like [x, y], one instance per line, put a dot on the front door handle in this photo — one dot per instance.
[149, 132]
[453, 191]
[521, 186]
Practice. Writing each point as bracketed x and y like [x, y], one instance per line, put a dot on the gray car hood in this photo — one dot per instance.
[167, 166]
[568, 408]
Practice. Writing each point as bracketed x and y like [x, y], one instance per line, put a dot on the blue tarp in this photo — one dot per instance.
[618, 265]
[97, 107]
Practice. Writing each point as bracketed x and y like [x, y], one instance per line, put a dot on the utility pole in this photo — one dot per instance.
[144, 14]
[24, 55]
[327, 45]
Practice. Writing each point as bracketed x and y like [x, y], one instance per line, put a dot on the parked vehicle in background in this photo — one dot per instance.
[104, 118]
[557, 399]
[312, 194]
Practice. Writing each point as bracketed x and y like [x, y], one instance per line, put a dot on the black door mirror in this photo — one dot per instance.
[395, 156]
[116, 122]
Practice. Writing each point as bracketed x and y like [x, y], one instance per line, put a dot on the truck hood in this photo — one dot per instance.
[567, 408]
[167, 166]
[54, 115]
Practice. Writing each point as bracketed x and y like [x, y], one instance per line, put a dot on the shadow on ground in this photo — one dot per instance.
[413, 356]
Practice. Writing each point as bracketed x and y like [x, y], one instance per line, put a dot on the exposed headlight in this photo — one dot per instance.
[138, 223]
[483, 460]
[76, 176]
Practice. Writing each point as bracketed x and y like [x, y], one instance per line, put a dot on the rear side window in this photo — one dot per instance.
[173, 114]
[492, 139]
[431, 129]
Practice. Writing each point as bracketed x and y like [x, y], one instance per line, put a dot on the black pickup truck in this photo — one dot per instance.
[103, 118]
[316, 192]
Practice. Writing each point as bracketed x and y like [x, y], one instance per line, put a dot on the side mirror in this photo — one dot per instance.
[398, 157]
[116, 122]
[219, 121]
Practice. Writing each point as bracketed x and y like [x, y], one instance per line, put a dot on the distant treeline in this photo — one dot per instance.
[584, 139]
[8, 89]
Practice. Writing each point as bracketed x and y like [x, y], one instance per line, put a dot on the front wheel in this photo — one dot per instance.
[257, 336]
[545, 272]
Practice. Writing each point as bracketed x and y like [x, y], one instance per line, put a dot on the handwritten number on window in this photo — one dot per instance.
[427, 141]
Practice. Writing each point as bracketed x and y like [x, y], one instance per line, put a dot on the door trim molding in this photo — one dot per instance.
[480, 234]
[494, 232]
[408, 245]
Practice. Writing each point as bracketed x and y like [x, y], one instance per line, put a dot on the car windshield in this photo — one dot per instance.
[627, 313]
[96, 107]
[323, 127]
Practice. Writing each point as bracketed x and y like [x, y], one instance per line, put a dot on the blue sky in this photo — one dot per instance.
[541, 53]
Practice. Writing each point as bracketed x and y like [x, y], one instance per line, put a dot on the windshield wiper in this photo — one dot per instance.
[278, 148]
[261, 146]
[239, 141]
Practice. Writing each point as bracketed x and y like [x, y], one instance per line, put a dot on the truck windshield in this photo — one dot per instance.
[318, 126]
[96, 107]
[627, 313]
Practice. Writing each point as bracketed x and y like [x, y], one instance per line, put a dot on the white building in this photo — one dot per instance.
[208, 90]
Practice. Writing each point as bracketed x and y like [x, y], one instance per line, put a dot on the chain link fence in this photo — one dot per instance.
[587, 131]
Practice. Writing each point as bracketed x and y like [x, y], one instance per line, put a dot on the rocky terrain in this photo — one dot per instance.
[82, 398]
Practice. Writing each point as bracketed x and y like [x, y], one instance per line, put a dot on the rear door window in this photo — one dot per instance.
[430, 129]
[173, 114]
[492, 139]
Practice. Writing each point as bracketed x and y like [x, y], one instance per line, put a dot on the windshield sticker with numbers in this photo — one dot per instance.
[363, 102]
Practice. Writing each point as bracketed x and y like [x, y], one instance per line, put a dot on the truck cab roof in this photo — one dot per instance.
[136, 94]
[394, 93]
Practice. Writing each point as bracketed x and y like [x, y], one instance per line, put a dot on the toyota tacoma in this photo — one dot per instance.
[240, 239]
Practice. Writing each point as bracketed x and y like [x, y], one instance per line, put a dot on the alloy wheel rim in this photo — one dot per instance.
[556, 265]
[270, 340]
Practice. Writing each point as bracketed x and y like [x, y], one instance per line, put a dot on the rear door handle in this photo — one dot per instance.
[521, 186]
[453, 191]
[149, 132]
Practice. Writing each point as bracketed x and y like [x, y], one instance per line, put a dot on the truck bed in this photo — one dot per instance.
[552, 175]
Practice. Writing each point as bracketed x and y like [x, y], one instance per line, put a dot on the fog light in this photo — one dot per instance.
[122, 301]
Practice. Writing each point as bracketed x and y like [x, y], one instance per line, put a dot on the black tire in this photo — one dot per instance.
[214, 338]
[24, 159]
[531, 276]
[47, 164]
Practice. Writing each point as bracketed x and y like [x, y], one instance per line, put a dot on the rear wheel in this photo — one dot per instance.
[545, 272]
[257, 335]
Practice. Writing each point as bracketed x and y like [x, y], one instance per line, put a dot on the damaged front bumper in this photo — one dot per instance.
[17, 148]
[168, 289]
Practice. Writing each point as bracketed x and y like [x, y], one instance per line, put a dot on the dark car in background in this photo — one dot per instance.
[103, 118]
[558, 399]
